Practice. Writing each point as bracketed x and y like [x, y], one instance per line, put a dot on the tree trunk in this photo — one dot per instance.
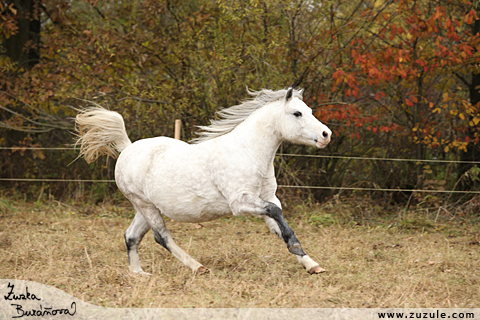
[23, 47]
[473, 151]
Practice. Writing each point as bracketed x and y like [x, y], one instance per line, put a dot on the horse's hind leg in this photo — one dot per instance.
[133, 236]
[162, 236]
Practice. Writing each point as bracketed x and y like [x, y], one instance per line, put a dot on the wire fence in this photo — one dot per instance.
[37, 148]
[344, 157]
[376, 159]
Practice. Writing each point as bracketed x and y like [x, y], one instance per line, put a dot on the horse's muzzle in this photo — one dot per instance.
[323, 139]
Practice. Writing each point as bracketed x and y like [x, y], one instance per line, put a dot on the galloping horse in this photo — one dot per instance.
[228, 170]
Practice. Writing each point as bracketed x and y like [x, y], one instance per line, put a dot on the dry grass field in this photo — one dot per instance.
[80, 249]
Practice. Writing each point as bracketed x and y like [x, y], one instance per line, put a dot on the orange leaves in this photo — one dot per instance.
[338, 74]
[470, 16]
[339, 112]
[46, 95]
[438, 13]
[339, 115]
[411, 100]
[349, 115]
[352, 92]
[8, 23]
[405, 69]
[355, 135]
[341, 77]
[379, 95]
[466, 49]
[379, 129]
[373, 72]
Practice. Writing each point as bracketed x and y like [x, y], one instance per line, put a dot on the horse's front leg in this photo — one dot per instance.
[309, 264]
[248, 203]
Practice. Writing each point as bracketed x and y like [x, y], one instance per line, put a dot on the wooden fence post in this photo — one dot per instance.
[178, 126]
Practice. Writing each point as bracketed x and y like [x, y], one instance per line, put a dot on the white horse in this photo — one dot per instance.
[227, 170]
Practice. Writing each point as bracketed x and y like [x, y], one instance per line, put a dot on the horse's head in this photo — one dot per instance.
[298, 125]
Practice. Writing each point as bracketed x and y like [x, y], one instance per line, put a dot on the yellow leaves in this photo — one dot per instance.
[467, 106]
[10, 8]
[427, 169]
[457, 144]
[431, 136]
[446, 97]
[463, 146]
[38, 154]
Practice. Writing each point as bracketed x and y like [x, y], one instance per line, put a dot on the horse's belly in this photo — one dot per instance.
[193, 208]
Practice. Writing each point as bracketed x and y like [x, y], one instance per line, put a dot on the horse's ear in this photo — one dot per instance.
[289, 94]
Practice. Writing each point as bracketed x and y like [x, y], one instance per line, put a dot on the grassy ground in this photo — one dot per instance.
[79, 248]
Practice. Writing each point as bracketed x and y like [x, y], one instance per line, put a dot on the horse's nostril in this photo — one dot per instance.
[325, 134]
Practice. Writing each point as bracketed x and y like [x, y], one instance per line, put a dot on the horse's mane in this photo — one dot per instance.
[229, 118]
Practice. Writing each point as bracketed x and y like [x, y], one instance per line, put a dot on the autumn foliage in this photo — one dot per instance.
[393, 79]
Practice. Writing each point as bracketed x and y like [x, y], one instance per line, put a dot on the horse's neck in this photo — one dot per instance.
[258, 136]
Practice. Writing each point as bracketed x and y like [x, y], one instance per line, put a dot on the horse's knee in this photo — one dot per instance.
[274, 212]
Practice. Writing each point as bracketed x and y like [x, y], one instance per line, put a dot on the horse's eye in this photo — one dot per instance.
[297, 114]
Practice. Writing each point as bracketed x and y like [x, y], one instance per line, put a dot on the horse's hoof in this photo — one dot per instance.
[316, 269]
[201, 270]
[141, 273]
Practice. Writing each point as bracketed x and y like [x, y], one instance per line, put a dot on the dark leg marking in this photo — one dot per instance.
[293, 245]
[130, 242]
[161, 240]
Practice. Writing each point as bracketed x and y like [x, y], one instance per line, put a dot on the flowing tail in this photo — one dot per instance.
[100, 132]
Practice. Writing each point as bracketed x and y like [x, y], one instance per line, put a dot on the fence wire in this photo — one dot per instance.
[280, 186]
[346, 157]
